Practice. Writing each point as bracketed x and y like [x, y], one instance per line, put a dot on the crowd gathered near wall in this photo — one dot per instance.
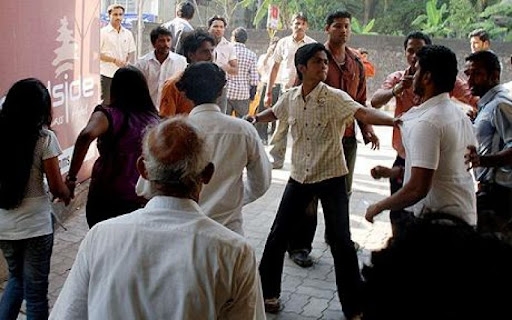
[181, 135]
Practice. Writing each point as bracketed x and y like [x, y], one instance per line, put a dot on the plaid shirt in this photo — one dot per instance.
[317, 125]
[238, 86]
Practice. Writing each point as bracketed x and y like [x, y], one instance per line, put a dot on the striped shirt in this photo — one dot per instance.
[238, 86]
[317, 123]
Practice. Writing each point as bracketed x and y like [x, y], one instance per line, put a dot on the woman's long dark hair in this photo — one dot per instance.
[26, 110]
[129, 91]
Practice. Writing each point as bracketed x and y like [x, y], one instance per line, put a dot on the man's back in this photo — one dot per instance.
[166, 261]
[436, 135]
[238, 86]
[178, 26]
[236, 146]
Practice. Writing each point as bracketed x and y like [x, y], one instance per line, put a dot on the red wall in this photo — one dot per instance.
[56, 41]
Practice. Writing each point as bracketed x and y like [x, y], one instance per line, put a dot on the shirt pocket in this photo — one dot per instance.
[322, 127]
[295, 128]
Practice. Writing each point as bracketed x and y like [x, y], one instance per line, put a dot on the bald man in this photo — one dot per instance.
[160, 256]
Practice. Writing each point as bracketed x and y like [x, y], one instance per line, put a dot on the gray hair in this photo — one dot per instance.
[175, 153]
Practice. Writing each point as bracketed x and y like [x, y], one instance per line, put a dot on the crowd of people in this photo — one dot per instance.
[180, 154]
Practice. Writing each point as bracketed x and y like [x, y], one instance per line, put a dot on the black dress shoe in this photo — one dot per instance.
[301, 258]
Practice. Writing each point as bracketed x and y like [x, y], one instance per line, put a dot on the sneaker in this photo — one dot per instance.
[301, 258]
[272, 305]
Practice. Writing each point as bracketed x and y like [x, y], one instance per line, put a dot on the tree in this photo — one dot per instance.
[316, 10]
[433, 22]
[462, 15]
[359, 28]
[396, 16]
[497, 20]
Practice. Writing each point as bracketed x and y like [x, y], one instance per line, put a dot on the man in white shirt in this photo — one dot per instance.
[435, 135]
[167, 260]
[160, 64]
[225, 53]
[235, 144]
[283, 72]
[117, 48]
[181, 24]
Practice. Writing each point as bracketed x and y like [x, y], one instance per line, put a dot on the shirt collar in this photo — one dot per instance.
[173, 203]
[184, 22]
[152, 56]
[489, 95]
[435, 100]
[204, 108]
[223, 41]
[312, 95]
[110, 28]
[303, 40]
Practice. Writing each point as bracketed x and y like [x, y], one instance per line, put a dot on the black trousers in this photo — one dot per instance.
[296, 197]
[494, 209]
[105, 82]
[302, 238]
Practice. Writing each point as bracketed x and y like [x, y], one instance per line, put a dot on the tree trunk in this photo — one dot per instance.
[369, 10]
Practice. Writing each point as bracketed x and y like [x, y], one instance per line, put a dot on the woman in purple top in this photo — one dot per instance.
[119, 128]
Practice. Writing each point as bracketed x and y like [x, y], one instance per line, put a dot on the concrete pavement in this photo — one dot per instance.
[306, 293]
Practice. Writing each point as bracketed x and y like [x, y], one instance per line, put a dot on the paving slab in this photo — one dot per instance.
[306, 293]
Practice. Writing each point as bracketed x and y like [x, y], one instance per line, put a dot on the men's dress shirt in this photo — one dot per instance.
[116, 45]
[264, 67]
[349, 77]
[317, 125]
[224, 52]
[165, 261]
[236, 146]
[178, 26]
[493, 128]
[407, 99]
[238, 86]
[435, 135]
[157, 73]
[284, 54]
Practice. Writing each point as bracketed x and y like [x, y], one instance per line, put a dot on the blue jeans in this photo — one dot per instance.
[296, 197]
[29, 267]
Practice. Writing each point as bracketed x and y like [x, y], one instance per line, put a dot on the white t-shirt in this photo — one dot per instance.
[33, 217]
[435, 135]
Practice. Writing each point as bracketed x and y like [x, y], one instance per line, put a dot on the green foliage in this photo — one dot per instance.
[433, 22]
[438, 18]
[315, 10]
[358, 28]
[397, 19]
[497, 20]
[461, 18]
